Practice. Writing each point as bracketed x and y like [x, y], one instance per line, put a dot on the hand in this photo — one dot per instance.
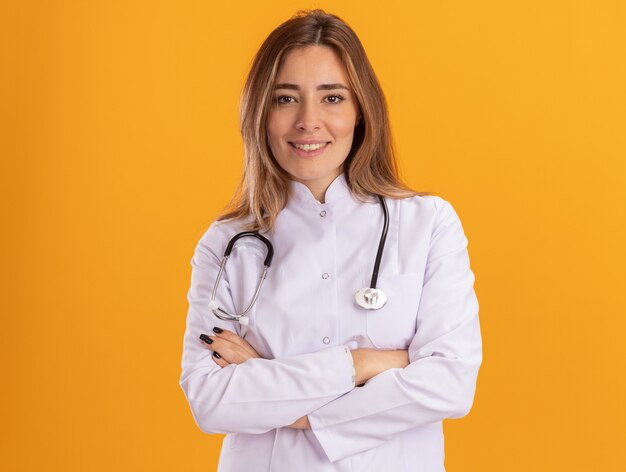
[228, 348]
[302, 423]
[370, 362]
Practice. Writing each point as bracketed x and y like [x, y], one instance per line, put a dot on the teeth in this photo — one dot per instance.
[309, 147]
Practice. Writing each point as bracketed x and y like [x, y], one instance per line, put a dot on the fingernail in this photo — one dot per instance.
[217, 330]
[206, 339]
[217, 354]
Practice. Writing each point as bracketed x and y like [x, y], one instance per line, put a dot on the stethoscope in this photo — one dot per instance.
[370, 298]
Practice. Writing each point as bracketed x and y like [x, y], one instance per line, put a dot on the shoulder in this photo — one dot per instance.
[427, 212]
[214, 240]
[424, 205]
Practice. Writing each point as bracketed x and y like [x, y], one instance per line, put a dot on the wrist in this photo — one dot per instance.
[364, 365]
[370, 362]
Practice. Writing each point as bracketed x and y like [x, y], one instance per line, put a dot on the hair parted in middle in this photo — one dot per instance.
[370, 168]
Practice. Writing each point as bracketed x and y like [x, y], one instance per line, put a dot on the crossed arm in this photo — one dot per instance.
[229, 348]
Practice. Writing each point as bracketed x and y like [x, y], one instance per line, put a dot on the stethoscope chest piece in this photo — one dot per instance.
[370, 298]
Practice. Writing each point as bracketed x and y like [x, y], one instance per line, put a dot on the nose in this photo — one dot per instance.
[309, 117]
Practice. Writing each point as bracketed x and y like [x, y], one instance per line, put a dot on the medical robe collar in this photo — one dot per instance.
[337, 190]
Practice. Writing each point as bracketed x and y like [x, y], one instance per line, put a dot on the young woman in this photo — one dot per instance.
[364, 335]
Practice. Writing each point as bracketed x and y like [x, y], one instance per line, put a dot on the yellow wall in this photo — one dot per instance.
[120, 145]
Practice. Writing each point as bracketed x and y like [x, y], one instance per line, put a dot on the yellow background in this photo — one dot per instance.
[119, 126]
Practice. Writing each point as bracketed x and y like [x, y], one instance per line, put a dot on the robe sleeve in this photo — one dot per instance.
[445, 355]
[257, 395]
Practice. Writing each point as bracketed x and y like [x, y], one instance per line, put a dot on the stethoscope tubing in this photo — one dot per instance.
[381, 243]
[225, 316]
[268, 244]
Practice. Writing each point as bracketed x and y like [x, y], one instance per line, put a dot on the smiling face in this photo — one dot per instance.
[311, 122]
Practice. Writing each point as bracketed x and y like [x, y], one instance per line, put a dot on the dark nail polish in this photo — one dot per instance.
[217, 330]
[206, 339]
[217, 354]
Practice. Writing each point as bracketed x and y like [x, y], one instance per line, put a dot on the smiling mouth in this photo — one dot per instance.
[309, 147]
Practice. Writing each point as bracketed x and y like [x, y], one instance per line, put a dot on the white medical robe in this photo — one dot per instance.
[306, 321]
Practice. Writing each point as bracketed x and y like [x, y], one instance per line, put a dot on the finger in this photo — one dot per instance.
[216, 356]
[206, 340]
[217, 344]
[230, 352]
[229, 336]
[235, 339]
[218, 359]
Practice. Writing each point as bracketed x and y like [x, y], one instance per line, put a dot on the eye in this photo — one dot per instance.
[334, 98]
[283, 99]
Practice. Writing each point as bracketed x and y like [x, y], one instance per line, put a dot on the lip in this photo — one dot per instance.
[301, 153]
[308, 141]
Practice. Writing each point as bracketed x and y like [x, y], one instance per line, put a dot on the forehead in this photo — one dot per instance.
[312, 64]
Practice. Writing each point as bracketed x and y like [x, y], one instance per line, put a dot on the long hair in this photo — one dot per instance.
[370, 168]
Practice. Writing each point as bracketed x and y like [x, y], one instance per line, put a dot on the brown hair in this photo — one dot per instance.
[370, 168]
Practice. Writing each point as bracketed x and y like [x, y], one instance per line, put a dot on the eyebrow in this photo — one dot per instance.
[319, 87]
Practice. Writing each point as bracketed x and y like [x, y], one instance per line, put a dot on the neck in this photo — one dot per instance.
[318, 187]
[318, 191]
